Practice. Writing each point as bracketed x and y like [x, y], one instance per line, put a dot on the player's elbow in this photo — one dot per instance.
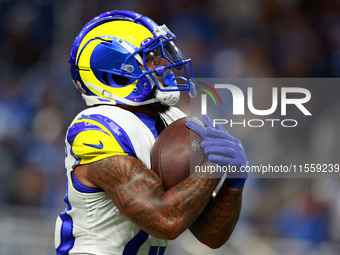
[170, 235]
[170, 232]
[214, 243]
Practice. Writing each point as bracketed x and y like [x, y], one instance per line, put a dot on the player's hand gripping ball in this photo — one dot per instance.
[176, 152]
[223, 150]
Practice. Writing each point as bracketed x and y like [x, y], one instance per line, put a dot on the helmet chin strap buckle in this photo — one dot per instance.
[107, 94]
[167, 98]
[95, 100]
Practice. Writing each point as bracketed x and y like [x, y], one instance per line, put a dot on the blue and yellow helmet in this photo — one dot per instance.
[108, 61]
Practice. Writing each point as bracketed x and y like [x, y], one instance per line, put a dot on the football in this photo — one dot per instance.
[176, 152]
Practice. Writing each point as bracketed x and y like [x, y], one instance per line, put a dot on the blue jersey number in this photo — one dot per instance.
[154, 249]
[137, 241]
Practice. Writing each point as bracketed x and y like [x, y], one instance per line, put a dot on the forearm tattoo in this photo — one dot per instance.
[218, 220]
[139, 194]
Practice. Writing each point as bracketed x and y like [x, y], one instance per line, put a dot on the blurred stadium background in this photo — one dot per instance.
[239, 38]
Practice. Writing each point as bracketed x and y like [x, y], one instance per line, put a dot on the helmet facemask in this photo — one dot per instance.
[176, 70]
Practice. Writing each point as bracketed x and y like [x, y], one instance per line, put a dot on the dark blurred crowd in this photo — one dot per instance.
[259, 38]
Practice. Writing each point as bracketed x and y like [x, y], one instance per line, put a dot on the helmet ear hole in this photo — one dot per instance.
[120, 80]
[117, 79]
[105, 78]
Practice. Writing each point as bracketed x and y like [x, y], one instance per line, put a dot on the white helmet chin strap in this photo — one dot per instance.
[165, 97]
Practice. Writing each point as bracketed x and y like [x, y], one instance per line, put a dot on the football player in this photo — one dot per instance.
[125, 66]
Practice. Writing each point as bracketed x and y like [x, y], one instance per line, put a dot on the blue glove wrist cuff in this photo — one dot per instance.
[235, 183]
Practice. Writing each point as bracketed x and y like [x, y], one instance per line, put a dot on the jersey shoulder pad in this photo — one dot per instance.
[95, 136]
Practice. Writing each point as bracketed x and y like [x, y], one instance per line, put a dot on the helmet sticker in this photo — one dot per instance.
[78, 84]
[146, 41]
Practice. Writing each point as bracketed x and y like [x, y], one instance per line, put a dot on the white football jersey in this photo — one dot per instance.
[91, 223]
